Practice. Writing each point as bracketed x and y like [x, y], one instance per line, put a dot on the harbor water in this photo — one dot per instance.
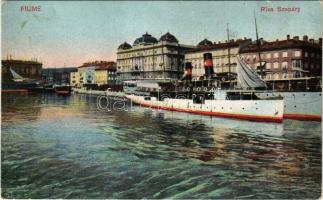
[70, 147]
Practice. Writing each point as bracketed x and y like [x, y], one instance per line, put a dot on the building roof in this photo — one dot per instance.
[125, 45]
[145, 39]
[101, 65]
[219, 45]
[168, 38]
[60, 70]
[281, 44]
[205, 42]
[21, 61]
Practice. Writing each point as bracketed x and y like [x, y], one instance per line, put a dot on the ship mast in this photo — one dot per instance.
[258, 45]
[229, 49]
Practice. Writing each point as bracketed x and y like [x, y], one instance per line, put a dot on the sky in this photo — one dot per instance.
[69, 33]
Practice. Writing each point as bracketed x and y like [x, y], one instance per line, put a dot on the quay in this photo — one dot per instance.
[100, 93]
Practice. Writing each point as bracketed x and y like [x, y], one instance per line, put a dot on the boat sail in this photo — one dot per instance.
[248, 78]
[16, 76]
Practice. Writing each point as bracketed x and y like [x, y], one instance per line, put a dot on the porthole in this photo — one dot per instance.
[295, 106]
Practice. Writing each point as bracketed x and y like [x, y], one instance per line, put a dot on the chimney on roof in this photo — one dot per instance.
[288, 37]
[245, 38]
[219, 42]
[296, 38]
[311, 41]
[305, 38]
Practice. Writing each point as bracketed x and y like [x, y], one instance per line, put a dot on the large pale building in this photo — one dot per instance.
[286, 59]
[151, 59]
[220, 56]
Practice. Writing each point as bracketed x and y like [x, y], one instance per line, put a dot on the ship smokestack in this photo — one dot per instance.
[188, 71]
[208, 65]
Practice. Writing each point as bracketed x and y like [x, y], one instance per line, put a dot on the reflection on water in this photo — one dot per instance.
[65, 147]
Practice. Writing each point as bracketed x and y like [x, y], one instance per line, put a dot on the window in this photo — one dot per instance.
[268, 55]
[305, 66]
[312, 55]
[285, 54]
[275, 65]
[297, 53]
[306, 54]
[276, 55]
[262, 56]
[284, 66]
[297, 74]
[297, 63]
[268, 65]
[275, 76]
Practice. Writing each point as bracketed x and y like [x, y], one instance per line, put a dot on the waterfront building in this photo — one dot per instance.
[220, 56]
[105, 75]
[97, 75]
[75, 79]
[286, 59]
[151, 59]
[87, 76]
[27, 69]
[57, 75]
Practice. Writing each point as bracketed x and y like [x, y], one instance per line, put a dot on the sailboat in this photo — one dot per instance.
[16, 76]
[19, 83]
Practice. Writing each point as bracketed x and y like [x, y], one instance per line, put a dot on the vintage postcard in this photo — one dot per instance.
[161, 99]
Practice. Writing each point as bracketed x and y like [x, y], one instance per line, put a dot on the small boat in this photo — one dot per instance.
[64, 90]
[48, 88]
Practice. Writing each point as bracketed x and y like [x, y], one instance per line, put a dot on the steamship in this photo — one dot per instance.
[229, 103]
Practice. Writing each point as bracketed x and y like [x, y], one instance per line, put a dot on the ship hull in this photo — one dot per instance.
[252, 110]
[63, 90]
[18, 87]
[299, 105]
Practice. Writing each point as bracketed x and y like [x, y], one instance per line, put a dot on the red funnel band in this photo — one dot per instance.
[208, 63]
[188, 72]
